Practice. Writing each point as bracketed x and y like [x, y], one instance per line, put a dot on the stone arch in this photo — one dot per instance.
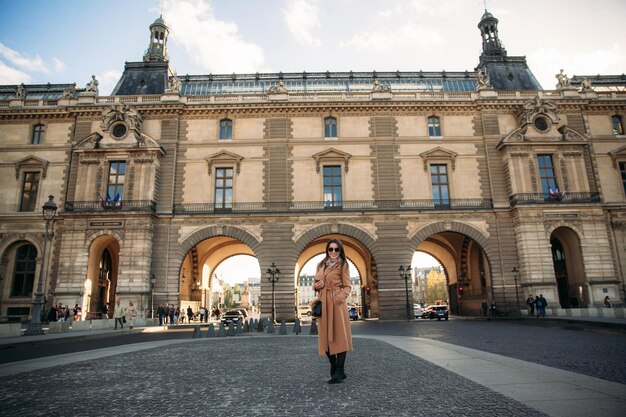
[95, 291]
[556, 225]
[89, 239]
[337, 229]
[439, 227]
[478, 283]
[215, 231]
[25, 238]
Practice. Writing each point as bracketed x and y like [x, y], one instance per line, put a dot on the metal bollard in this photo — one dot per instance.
[196, 332]
[297, 329]
[210, 331]
[283, 328]
[270, 326]
[221, 331]
[313, 327]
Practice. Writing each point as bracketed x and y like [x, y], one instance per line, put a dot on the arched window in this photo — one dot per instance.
[330, 127]
[618, 126]
[38, 134]
[226, 129]
[434, 126]
[24, 271]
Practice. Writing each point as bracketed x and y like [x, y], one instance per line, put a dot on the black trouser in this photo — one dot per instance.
[120, 320]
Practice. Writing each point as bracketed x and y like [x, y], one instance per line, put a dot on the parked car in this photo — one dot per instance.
[353, 313]
[438, 312]
[426, 311]
[417, 310]
[232, 316]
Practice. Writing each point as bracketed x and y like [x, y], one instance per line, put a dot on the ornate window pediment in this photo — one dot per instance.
[331, 155]
[224, 157]
[439, 154]
[31, 163]
[525, 135]
[618, 154]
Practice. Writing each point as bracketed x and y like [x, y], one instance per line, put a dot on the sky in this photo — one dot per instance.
[66, 41]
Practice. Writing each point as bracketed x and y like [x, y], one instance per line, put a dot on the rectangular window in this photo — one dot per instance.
[115, 187]
[622, 170]
[226, 129]
[439, 181]
[546, 174]
[38, 132]
[30, 188]
[332, 186]
[223, 188]
[330, 127]
[618, 127]
[434, 126]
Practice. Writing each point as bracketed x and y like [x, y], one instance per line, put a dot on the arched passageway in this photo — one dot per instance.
[365, 296]
[100, 286]
[466, 268]
[568, 268]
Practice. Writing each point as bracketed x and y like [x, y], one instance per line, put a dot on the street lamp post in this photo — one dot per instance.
[515, 272]
[406, 274]
[152, 282]
[272, 276]
[35, 325]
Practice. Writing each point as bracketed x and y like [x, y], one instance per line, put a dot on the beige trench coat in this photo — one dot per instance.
[334, 334]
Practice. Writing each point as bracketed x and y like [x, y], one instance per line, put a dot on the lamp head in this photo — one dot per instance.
[49, 208]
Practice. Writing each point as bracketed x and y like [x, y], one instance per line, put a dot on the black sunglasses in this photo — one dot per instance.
[334, 250]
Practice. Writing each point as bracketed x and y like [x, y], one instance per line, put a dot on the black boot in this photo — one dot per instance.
[339, 374]
[333, 363]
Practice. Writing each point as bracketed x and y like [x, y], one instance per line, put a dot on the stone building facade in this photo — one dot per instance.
[516, 190]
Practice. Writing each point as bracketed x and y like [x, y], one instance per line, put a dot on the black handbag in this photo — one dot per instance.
[123, 319]
[316, 310]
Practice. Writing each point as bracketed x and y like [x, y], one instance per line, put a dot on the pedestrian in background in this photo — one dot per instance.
[485, 308]
[493, 308]
[172, 314]
[118, 314]
[332, 282]
[161, 313]
[132, 314]
[541, 306]
[607, 302]
[104, 311]
[530, 301]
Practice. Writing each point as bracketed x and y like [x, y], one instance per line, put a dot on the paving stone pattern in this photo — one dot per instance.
[251, 376]
[582, 349]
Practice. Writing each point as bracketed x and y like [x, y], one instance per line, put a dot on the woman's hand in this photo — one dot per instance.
[318, 285]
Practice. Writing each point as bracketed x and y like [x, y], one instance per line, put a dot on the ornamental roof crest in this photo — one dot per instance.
[121, 113]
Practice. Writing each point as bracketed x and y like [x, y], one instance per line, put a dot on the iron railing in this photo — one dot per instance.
[110, 206]
[344, 206]
[554, 198]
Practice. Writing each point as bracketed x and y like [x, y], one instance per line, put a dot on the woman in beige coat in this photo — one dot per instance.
[332, 280]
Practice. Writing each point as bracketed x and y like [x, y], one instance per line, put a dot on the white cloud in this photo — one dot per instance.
[213, 44]
[545, 63]
[302, 17]
[437, 7]
[21, 61]
[402, 37]
[396, 10]
[10, 75]
[58, 64]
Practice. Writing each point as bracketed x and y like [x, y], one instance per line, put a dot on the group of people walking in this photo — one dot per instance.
[124, 314]
[170, 315]
[538, 304]
[59, 313]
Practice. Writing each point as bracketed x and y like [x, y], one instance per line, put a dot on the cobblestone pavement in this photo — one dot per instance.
[578, 348]
[251, 376]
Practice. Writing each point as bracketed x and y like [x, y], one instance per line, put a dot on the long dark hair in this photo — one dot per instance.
[342, 253]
